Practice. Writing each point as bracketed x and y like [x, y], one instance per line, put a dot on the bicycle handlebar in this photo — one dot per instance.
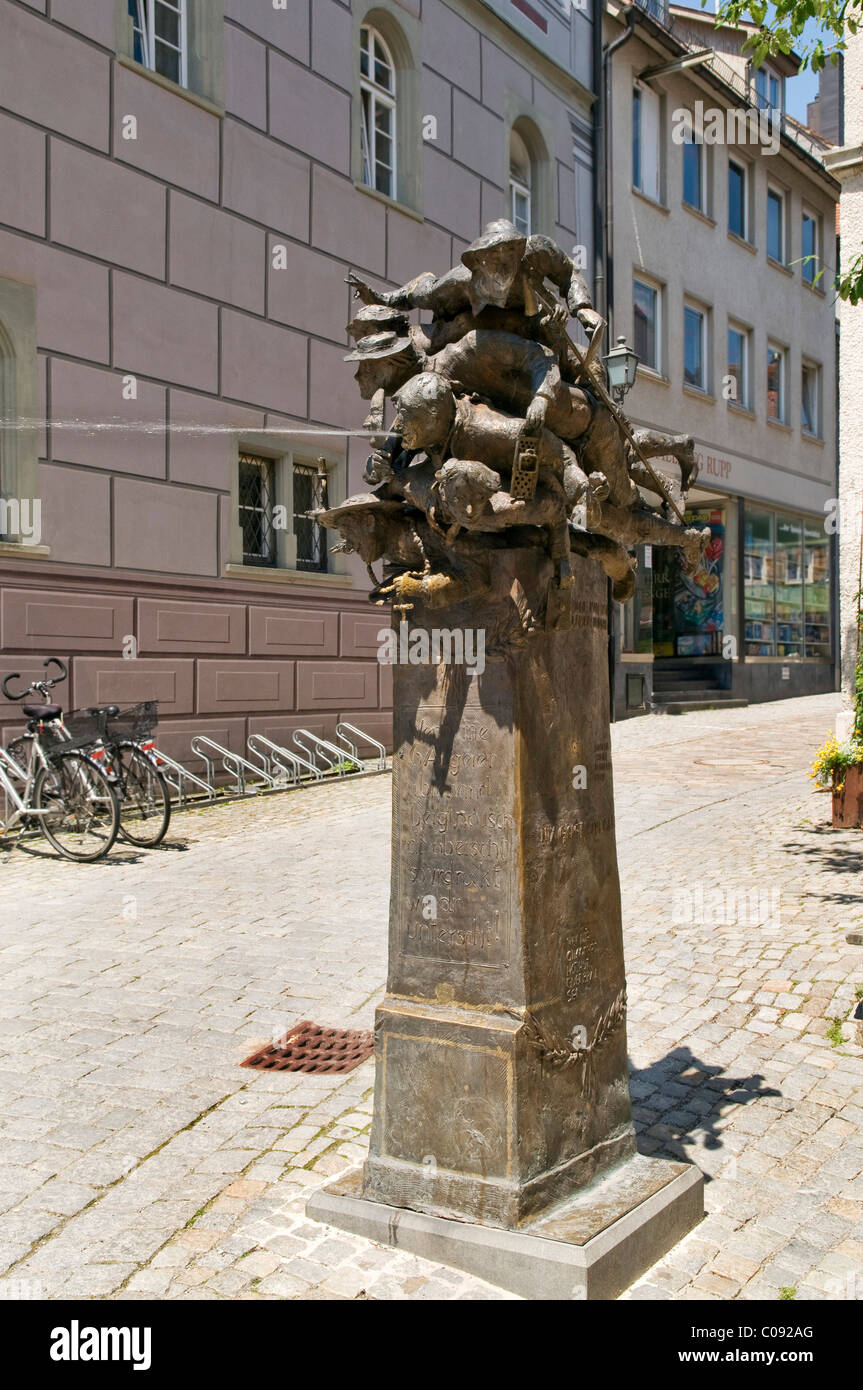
[41, 686]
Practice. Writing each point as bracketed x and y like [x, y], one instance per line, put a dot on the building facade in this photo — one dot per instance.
[846, 163]
[721, 254]
[186, 186]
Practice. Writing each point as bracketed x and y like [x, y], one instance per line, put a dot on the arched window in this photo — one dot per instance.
[520, 183]
[378, 96]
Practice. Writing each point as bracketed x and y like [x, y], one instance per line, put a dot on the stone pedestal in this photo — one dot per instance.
[501, 1083]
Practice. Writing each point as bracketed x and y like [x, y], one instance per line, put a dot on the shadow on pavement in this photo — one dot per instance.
[678, 1101]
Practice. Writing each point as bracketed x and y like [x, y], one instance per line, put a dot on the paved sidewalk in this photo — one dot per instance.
[138, 1158]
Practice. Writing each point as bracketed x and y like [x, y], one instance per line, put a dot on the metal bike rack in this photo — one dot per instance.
[238, 767]
[269, 768]
[274, 755]
[179, 777]
[334, 759]
[365, 738]
[9, 796]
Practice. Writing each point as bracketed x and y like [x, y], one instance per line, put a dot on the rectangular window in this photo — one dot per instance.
[637, 614]
[788, 567]
[776, 225]
[775, 383]
[738, 365]
[817, 589]
[786, 579]
[767, 89]
[810, 399]
[737, 199]
[694, 353]
[257, 503]
[809, 265]
[159, 42]
[310, 492]
[520, 206]
[693, 175]
[758, 583]
[645, 141]
[645, 310]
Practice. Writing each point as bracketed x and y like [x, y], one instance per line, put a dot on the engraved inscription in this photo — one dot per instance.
[590, 613]
[454, 841]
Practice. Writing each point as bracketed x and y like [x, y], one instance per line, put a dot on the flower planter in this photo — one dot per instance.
[848, 797]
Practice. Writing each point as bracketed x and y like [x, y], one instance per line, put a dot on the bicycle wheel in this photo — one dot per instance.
[145, 802]
[83, 817]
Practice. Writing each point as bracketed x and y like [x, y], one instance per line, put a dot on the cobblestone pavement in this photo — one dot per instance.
[138, 1158]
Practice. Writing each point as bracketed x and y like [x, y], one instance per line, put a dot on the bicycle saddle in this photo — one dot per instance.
[42, 711]
[110, 710]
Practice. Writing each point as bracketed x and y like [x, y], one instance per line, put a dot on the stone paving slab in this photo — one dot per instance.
[139, 1159]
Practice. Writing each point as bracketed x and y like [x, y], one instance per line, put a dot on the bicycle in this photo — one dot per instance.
[47, 775]
[131, 768]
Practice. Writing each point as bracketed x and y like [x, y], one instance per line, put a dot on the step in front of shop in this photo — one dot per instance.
[683, 702]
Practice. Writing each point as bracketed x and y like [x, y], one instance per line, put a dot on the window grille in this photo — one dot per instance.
[310, 492]
[257, 500]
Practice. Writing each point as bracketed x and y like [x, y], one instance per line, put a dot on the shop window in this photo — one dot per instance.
[646, 306]
[789, 586]
[816, 591]
[637, 614]
[786, 579]
[758, 583]
[688, 607]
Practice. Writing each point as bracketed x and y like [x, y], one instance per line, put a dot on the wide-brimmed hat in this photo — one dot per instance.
[360, 503]
[377, 318]
[388, 344]
[498, 233]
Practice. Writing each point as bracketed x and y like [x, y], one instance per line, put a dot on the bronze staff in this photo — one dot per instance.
[598, 386]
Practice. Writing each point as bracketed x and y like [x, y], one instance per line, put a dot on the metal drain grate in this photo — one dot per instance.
[308, 1047]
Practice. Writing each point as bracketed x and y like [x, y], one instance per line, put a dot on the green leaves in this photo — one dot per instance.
[790, 17]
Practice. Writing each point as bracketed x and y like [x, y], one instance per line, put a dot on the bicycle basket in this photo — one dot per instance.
[135, 722]
[82, 730]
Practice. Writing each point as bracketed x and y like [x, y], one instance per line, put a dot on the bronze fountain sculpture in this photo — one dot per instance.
[506, 493]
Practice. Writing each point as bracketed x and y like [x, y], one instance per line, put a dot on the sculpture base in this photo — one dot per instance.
[590, 1246]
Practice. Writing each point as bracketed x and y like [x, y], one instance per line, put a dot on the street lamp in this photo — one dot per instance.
[621, 364]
